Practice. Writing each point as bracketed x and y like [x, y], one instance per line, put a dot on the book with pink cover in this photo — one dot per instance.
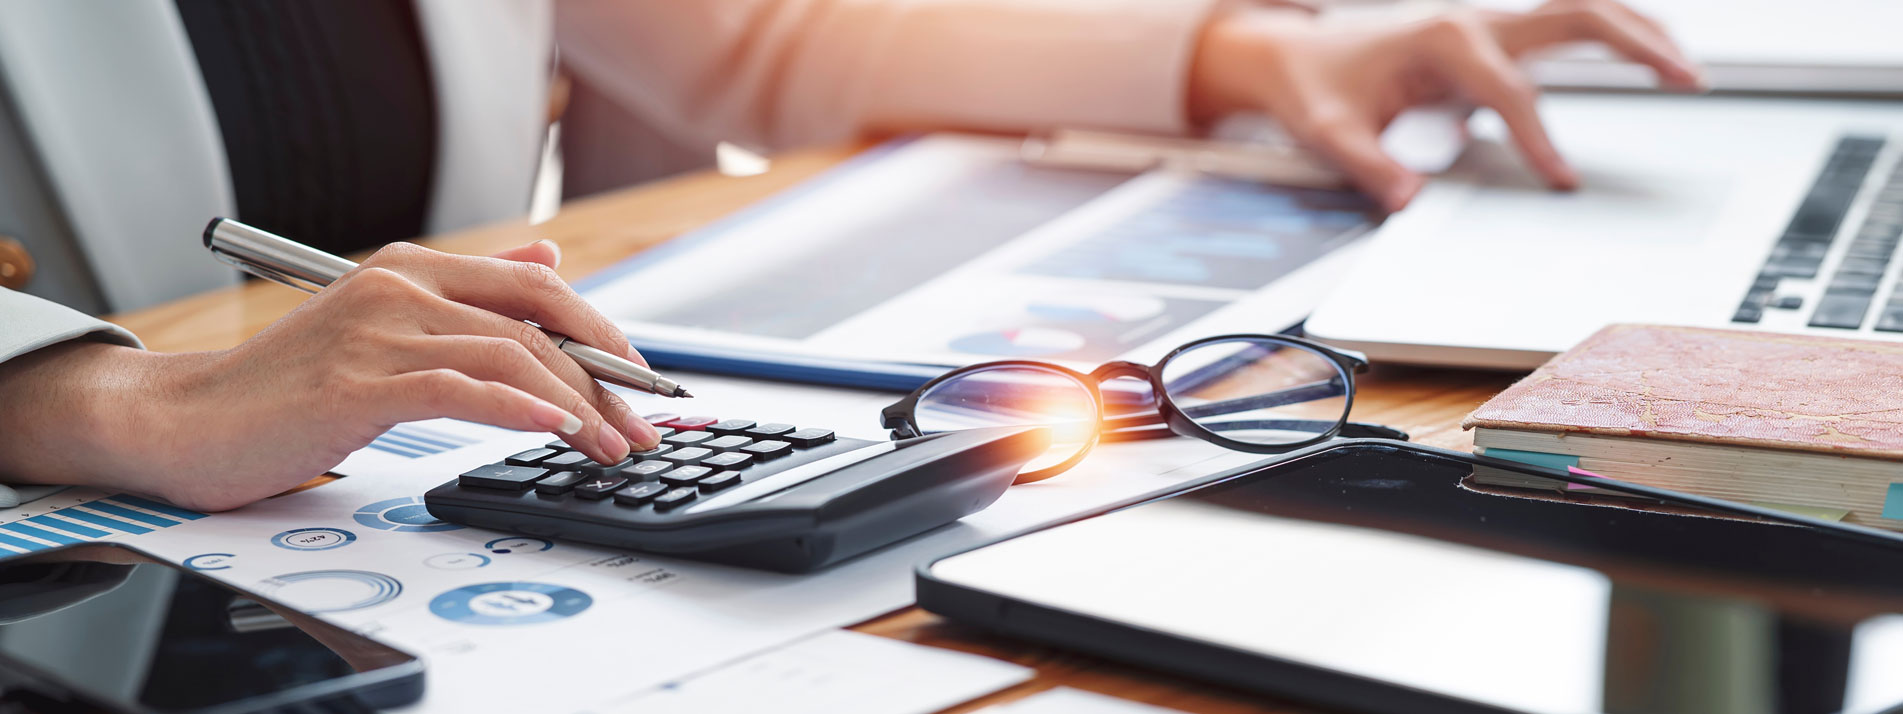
[1723, 387]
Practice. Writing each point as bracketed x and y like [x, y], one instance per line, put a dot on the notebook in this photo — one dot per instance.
[1808, 424]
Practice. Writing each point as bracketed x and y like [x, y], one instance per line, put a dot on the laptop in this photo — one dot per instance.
[1811, 47]
[1762, 214]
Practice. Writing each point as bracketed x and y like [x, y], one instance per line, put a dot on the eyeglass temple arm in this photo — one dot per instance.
[1292, 395]
[1351, 430]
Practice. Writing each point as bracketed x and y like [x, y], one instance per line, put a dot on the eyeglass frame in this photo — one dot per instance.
[901, 417]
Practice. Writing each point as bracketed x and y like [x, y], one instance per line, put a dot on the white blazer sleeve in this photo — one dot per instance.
[775, 73]
[28, 323]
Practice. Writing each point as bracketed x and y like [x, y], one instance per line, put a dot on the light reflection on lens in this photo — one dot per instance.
[1015, 396]
[1258, 391]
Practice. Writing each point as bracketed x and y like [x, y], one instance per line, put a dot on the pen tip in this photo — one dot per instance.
[682, 394]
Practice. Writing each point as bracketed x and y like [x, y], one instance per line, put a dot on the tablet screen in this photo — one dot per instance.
[115, 625]
[1379, 563]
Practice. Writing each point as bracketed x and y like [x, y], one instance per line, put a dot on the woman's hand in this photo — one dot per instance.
[1336, 89]
[411, 334]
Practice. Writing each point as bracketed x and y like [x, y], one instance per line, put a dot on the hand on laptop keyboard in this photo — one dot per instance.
[1336, 88]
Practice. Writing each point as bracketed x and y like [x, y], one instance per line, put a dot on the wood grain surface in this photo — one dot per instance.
[596, 232]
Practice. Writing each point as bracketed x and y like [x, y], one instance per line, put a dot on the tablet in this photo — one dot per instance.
[1366, 575]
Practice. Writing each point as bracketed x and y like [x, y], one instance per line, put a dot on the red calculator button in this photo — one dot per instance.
[699, 423]
[662, 419]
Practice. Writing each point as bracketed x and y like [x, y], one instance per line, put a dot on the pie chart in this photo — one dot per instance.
[1091, 309]
[1020, 342]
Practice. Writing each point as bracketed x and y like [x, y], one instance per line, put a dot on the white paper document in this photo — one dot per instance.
[837, 671]
[1064, 700]
[949, 249]
[500, 617]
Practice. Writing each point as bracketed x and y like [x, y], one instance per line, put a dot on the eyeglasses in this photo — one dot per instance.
[1261, 394]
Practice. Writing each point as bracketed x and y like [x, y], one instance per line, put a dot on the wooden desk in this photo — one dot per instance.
[597, 232]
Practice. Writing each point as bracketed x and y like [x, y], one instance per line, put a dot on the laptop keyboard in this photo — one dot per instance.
[1812, 233]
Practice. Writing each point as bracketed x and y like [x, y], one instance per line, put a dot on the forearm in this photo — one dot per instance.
[69, 413]
[787, 72]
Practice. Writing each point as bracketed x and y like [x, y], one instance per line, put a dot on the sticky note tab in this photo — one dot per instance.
[1576, 471]
[1818, 512]
[1893, 502]
[1555, 461]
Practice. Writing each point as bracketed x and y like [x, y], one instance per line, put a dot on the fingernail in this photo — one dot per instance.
[553, 247]
[643, 432]
[555, 419]
[611, 442]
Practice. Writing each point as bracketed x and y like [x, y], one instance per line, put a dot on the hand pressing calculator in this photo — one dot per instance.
[771, 496]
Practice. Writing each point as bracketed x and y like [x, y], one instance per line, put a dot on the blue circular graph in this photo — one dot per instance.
[313, 538]
[333, 590]
[403, 515]
[210, 561]
[510, 603]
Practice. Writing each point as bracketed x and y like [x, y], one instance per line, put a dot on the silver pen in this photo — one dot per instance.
[281, 260]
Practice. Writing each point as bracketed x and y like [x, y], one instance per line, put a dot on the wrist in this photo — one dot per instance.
[83, 413]
[1231, 55]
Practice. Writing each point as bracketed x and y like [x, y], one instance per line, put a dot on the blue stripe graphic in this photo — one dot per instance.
[381, 445]
[40, 533]
[395, 439]
[22, 544]
[428, 437]
[151, 505]
[123, 512]
[102, 521]
[68, 526]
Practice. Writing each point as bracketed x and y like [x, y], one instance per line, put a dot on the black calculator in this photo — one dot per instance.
[771, 496]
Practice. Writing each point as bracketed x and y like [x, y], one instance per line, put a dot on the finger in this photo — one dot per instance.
[1629, 34]
[430, 394]
[521, 290]
[459, 320]
[544, 252]
[502, 360]
[1355, 147]
[1483, 71]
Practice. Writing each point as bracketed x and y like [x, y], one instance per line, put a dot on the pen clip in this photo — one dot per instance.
[267, 273]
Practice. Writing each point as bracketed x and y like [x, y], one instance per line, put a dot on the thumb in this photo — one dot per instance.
[541, 251]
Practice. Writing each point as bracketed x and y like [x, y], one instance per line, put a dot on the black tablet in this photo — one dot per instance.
[1369, 575]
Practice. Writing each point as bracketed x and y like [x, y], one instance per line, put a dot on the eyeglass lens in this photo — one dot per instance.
[1258, 391]
[1015, 396]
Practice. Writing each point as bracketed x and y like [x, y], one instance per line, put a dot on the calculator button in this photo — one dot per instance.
[645, 470]
[639, 493]
[675, 498]
[685, 475]
[730, 426]
[529, 458]
[662, 419]
[598, 487]
[699, 423]
[501, 476]
[766, 450]
[664, 431]
[688, 456]
[729, 460]
[688, 438]
[565, 461]
[593, 469]
[557, 445]
[651, 454]
[719, 481]
[558, 483]
[809, 437]
[768, 430]
[726, 443]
